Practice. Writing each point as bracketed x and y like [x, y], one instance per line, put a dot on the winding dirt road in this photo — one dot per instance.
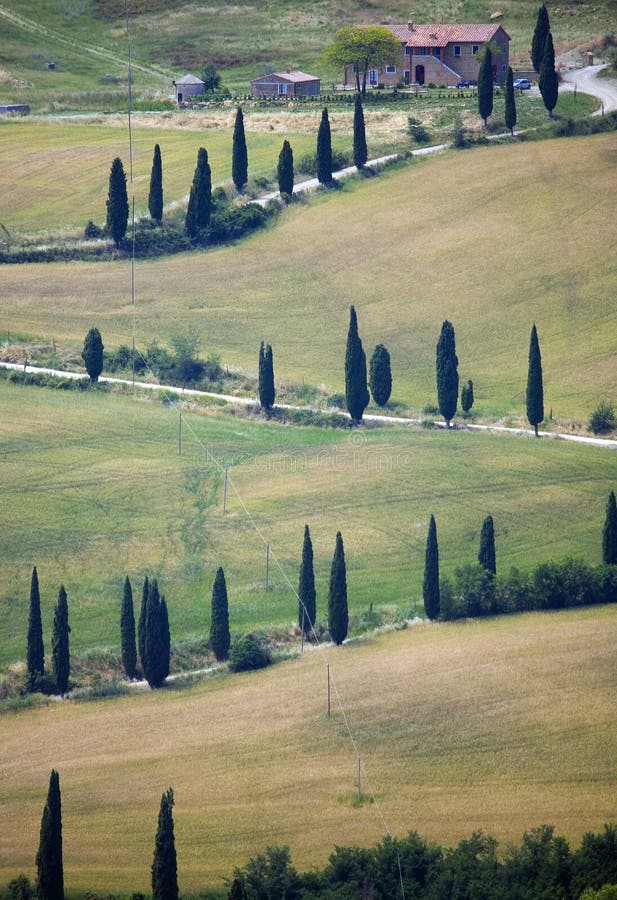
[587, 82]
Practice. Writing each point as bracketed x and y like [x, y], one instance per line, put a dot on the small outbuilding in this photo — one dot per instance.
[290, 83]
[187, 87]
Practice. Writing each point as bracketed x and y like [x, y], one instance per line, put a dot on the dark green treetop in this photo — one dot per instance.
[510, 110]
[380, 375]
[60, 654]
[266, 377]
[211, 78]
[117, 202]
[486, 556]
[35, 647]
[164, 863]
[538, 42]
[447, 373]
[467, 397]
[141, 625]
[356, 390]
[154, 637]
[324, 150]
[609, 533]
[360, 151]
[338, 615]
[199, 207]
[430, 585]
[239, 163]
[49, 865]
[485, 84]
[219, 622]
[535, 388]
[307, 602]
[127, 631]
[155, 197]
[549, 80]
[92, 354]
[285, 169]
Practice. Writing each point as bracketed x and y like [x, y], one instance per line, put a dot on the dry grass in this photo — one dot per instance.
[500, 725]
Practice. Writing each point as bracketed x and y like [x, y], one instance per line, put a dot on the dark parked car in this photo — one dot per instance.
[523, 84]
[468, 83]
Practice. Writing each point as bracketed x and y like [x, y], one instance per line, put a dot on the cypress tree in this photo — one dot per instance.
[92, 354]
[239, 162]
[219, 620]
[360, 152]
[380, 375]
[535, 389]
[35, 647]
[430, 585]
[538, 42]
[486, 556]
[609, 533]
[164, 864]
[61, 660]
[324, 150]
[266, 377]
[141, 625]
[467, 397]
[50, 872]
[199, 208]
[285, 169]
[155, 197]
[485, 84]
[165, 641]
[510, 112]
[307, 605]
[117, 202]
[127, 631]
[338, 616]
[447, 373]
[356, 390]
[155, 661]
[549, 81]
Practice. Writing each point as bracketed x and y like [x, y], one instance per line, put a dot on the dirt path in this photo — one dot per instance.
[587, 82]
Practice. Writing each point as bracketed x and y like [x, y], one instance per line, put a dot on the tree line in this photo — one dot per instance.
[542, 865]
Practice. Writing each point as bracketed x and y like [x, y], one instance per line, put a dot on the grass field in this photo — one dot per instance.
[93, 488]
[499, 725]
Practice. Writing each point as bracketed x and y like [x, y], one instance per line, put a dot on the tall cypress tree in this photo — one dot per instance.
[467, 397]
[430, 585]
[199, 208]
[380, 375]
[324, 150]
[141, 625]
[549, 80]
[165, 641]
[117, 202]
[538, 43]
[60, 654]
[155, 197]
[239, 162]
[510, 111]
[50, 871]
[154, 638]
[486, 556]
[360, 152]
[307, 598]
[485, 84]
[92, 354]
[535, 388]
[609, 533]
[35, 647]
[447, 373]
[219, 620]
[356, 390]
[266, 377]
[164, 863]
[285, 169]
[127, 631]
[338, 615]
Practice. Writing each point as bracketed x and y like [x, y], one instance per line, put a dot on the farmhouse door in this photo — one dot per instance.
[420, 74]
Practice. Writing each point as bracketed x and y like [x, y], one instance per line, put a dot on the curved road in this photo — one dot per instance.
[587, 82]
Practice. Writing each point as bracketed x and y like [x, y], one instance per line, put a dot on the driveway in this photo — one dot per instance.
[586, 80]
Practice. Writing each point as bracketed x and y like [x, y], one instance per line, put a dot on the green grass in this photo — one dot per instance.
[93, 488]
[500, 725]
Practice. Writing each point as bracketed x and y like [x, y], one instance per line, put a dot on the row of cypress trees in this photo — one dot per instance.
[338, 612]
[60, 651]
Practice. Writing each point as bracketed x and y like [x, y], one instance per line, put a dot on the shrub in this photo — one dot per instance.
[92, 231]
[248, 653]
[417, 130]
[602, 419]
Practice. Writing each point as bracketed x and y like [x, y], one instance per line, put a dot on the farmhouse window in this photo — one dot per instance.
[457, 49]
[435, 52]
[475, 49]
[407, 51]
[373, 76]
[283, 87]
[391, 70]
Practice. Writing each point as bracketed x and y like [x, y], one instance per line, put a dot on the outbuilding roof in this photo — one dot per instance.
[413, 35]
[291, 75]
[189, 79]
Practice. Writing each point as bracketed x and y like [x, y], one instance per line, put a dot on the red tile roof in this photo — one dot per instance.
[440, 35]
[291, 75]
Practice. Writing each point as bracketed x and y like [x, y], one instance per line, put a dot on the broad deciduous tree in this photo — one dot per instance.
[447, 373]
[35, 646]
[430, 584]
[49, 865]
[307, 598]
[164, 863]
[117, 202]
[535, 387]
[92, 354]
[338, 615]
[356, 390]
[239, 162]
[380, 375]
[363, 49]
[60, 653]
[219, 619]
[155, 197]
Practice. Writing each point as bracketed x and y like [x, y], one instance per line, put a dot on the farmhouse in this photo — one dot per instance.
[286, 84]
[441, 54]
[187, 87]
